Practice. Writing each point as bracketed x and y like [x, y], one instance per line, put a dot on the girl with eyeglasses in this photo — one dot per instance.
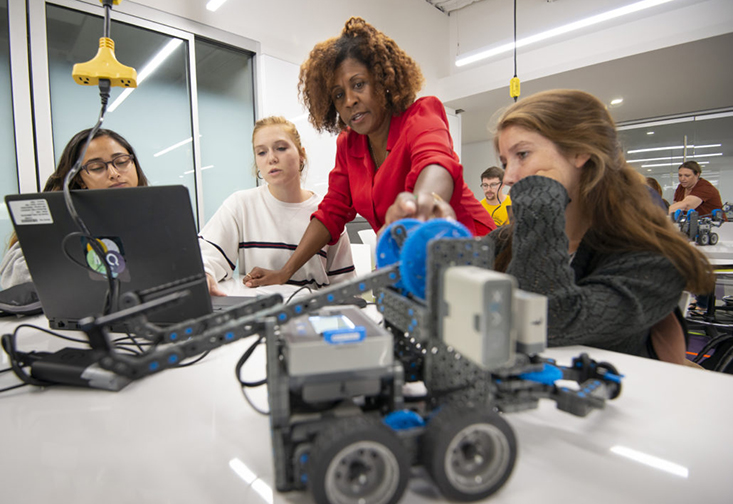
[109, 162]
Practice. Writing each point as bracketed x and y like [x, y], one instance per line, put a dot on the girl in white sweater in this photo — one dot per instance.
[263, 226]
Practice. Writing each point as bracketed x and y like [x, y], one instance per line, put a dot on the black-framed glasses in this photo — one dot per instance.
[98, 168]
[493, 186]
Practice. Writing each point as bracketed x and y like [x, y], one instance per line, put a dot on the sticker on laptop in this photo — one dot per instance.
[30, 212]
[114, 256]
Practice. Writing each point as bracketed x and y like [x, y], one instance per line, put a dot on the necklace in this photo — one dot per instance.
[377, 162]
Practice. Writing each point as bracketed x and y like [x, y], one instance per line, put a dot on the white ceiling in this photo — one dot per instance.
[680, 79]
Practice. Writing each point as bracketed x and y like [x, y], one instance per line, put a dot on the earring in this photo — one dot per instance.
[259, 175]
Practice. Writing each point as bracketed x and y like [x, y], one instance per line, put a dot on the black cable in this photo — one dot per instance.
[252, 405]
[713, 343]
[104, 91]
[200, 357]
[725, 360]
[5, 370]
[515, 42]
[245, 356]
[52, 333]
[13, 387]
[18, 363]
[294, 293]
[135, 342]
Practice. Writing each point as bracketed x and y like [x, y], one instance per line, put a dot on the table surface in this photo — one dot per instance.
[188, 436]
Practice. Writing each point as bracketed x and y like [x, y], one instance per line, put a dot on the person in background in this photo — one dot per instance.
[394, 156]
[586, 234]
[262, 226]
[496, 203]
[694, 192]
[657, 190]
[109, 162]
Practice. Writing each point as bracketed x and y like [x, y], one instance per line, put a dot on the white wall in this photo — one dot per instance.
[277, 79]
[288, 29]
[476, 157]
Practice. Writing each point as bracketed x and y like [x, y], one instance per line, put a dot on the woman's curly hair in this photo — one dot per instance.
[396, 76]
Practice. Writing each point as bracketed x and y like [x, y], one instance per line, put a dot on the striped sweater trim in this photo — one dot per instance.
[274, 245]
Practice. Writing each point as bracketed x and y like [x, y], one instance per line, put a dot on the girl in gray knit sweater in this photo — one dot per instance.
[586, 234]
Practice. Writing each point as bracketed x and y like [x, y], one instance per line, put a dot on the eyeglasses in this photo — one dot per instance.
[99, 168]
[493, 186]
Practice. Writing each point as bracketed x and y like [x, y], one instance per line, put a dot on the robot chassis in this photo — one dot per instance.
[699, 229]
[341, 426]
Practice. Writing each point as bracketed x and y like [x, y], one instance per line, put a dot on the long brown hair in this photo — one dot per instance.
[612, 194]
[70, 156]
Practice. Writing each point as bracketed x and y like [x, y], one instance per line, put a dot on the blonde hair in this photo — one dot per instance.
[288, 128]
[623, 216]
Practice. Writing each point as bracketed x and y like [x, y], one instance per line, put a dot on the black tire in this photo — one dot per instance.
[469, 452]
[713, 238]
[358, 459]
[614, 388]
[704, 239]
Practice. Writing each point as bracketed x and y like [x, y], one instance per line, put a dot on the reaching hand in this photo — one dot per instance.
[260, 276]
[214, 289]
[421, 206]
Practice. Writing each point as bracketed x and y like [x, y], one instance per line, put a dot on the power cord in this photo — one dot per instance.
[244, 384]
[297, 291]
[113, 287]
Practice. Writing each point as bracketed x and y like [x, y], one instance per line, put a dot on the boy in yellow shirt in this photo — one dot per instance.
[497, 204]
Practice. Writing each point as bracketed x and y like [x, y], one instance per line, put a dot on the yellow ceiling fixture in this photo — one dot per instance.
[104, 65]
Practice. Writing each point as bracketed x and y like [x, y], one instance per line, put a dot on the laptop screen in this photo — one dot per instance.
[148, 235]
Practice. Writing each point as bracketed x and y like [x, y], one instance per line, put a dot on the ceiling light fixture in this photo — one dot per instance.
[672, 157]
[670, 164]
[649, 132]
[617, 101]
[673, 147]
[561, 30]
[151, 67]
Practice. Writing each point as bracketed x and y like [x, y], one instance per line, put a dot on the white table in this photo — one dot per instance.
[188, 436]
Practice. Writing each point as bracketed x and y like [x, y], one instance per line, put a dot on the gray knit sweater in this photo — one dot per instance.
[602, 299]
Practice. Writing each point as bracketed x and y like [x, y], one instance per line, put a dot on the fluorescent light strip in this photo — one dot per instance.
[671, 157]
[669, 164]
[704, 117]
[151, 67]
[167, 150]
[214, 4]
[651, 461]
[663, 122]
[577, 25]
[673, 147]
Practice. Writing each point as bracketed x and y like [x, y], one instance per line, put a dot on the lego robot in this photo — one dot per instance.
[699, 229]
[341, 425]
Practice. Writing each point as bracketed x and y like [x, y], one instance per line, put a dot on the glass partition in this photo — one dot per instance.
[8, 163]
[225, 93]
[155, 117]
[656, 148]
